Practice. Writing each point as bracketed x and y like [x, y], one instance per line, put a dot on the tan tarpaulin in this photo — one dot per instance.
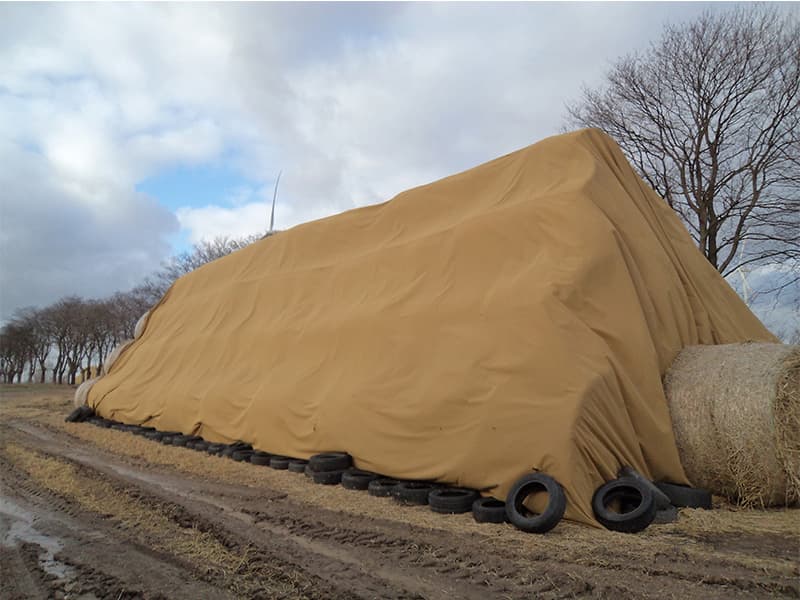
[516, 316]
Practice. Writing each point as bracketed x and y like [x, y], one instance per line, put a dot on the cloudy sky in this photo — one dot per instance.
[129, 131]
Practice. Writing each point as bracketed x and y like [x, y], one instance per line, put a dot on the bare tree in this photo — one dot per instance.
[68, 323]
[77, 340]
[126, 308]
[38, 341]
[201, 253]
[102, 333]
[710, 117]
[15, 351]
[54, 320]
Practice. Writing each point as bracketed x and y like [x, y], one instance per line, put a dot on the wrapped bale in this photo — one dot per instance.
[736, 414]
[138, 329]
[112, 358]
[82, 392]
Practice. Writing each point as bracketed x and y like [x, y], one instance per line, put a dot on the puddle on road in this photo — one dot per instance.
[17, 525]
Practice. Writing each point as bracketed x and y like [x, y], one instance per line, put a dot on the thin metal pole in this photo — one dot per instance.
[274, 196]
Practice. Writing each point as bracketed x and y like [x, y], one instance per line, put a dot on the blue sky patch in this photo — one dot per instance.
[196, 186]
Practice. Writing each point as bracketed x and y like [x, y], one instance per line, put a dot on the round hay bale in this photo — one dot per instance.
[736, 415]
[82, 393]
[114, 356]
[140, 325]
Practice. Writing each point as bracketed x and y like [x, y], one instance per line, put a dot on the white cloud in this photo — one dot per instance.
[53, 244]
[212, 221]
[353, 102]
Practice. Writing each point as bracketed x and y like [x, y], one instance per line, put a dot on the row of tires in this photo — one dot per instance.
[331, 468]
[627, 504]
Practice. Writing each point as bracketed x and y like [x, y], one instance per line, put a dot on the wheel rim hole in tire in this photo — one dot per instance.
[623, 501]
[533, 495]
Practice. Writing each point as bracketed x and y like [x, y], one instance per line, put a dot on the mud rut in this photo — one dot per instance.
[80, 522]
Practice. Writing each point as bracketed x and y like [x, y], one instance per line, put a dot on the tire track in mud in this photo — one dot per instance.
[250, 573]
[101, 561]
[338, 555]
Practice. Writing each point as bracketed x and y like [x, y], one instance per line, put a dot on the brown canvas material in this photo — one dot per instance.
[516, 316]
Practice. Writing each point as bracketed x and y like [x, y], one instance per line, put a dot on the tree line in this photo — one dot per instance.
[71, 337]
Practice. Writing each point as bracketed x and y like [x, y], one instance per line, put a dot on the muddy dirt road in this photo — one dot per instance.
[89, 513]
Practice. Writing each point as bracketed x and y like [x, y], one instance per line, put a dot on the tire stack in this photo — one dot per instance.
[327, 468]
[631, 502]
[355, 479]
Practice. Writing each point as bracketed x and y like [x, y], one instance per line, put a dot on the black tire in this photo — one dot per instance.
[413, 492]
[331, 461]
[166, 439]
[181, 440]
[142, 430]
[382, 487]
[80, 414]
[104, 423]
[661, 499]
[200, 445]
[327, 477]
[242, 455]
[119, 427]
[489, 510]
[215, 449]
[521, 517]
[685, 496]
[308, 471]
[637, 505]
[452, 501]
[279, 462]
[261, 459]
[297, 465]
[240, 445]
[227, 451]
[153, 435]
[354, 479]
